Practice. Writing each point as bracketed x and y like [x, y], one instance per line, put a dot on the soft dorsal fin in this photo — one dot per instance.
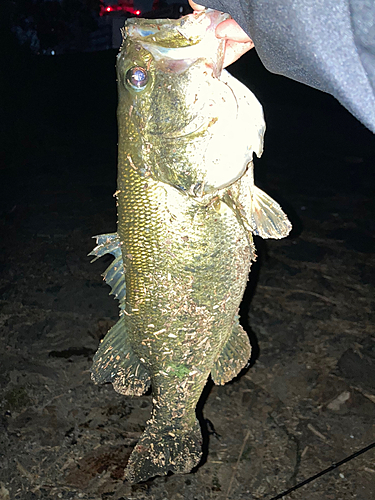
[116, 362]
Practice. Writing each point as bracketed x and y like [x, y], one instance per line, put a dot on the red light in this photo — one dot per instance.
[137, 12]
[108, 9]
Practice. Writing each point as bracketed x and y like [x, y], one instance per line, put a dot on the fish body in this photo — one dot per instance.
[187, 210]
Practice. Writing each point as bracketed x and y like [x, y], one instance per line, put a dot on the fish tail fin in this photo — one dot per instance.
[162, 449]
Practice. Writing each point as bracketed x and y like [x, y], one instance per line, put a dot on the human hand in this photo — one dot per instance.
[237, 42]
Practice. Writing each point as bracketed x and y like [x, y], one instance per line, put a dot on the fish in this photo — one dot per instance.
[187, 211]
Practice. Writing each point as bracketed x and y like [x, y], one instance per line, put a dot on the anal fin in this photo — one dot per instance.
[234, 356]
[116, 362]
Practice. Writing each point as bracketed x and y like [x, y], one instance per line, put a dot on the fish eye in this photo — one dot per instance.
[137, 77]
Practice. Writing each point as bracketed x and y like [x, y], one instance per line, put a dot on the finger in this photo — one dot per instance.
[229, 29]
[234, 50]
[196, 6]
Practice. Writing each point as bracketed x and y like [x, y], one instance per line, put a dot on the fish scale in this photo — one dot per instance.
[187, 209]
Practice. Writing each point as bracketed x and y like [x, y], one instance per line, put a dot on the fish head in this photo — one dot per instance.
[178, 120]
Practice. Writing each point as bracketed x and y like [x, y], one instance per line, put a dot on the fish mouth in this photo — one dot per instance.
[181, 41]
[162, 32]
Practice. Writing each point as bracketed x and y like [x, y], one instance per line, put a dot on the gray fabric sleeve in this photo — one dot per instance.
[327, 44]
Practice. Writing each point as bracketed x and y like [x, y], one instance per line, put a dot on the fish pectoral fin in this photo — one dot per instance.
[164, 447]
[114, 274]
[269, 219]
[234, 356]
[242, 217]
[116, 362]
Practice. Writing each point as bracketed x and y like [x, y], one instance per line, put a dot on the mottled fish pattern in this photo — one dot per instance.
[187, 212]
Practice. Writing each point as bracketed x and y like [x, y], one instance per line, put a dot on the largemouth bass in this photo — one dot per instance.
[187, 212]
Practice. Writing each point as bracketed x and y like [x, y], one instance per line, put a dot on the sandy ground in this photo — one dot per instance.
[308, 399]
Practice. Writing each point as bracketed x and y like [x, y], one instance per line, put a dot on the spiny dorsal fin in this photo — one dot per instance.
[106, 243]
[114, 274]
[115, 277]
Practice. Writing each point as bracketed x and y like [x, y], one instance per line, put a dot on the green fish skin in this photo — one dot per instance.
[187, 212]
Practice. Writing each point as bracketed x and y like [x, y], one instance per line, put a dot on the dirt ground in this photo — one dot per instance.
[308, 399]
